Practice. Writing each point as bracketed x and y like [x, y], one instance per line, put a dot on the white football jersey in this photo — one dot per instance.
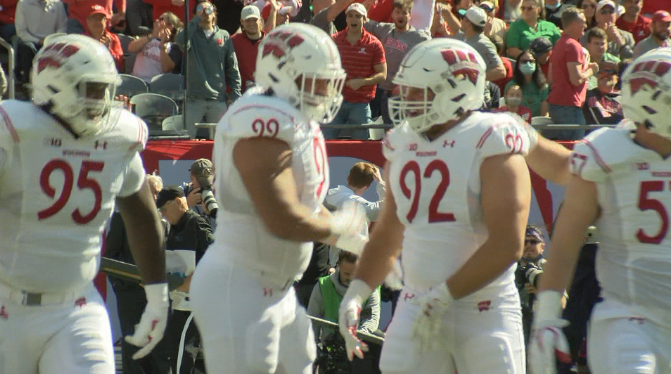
[241, 234]
[633, 263]
[436, 185]
[57, 192]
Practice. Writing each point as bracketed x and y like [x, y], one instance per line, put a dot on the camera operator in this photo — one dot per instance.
[528, 274]
[199, 195]
[188, 232]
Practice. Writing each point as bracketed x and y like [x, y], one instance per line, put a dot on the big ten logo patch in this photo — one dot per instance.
[54, 55]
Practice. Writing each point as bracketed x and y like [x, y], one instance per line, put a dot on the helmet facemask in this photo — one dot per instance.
[96, 98]
[320, 95]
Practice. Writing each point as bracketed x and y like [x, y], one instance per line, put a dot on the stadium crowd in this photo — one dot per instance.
[589, 44]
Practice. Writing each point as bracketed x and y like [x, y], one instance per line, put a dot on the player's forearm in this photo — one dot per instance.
[487, 263]
[300, 224]
[550, 160]
[379, 254]
[146, 242]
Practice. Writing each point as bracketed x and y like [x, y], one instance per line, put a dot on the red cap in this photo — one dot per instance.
[265, 12]
[661, 16]
[98, 9]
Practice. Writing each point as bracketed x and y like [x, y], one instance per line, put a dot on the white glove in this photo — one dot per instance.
[428, 328]
[348, 225]
[548, 343]
[348, 317]
[154, 319]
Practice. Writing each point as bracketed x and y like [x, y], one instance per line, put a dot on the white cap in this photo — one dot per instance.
[250, 11]
[359, 8]
[477, 16]
[603, 3]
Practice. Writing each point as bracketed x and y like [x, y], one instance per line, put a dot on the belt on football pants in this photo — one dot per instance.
[36, 299]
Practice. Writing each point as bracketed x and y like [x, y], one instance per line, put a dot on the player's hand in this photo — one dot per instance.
[194, 198]
[154, 319]
[548, 343]
[433, 305]
[348, 317]
[348, 225]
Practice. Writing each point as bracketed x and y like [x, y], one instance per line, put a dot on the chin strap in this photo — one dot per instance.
[47, 109]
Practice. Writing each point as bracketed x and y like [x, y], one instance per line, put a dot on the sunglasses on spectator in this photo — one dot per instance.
[486, 8]
[525, 8]
[531, 241]
[208, 10]
[608, 10]
[585, 6]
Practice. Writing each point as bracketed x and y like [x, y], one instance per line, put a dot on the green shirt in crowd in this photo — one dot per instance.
[520, 34]
[532, 96]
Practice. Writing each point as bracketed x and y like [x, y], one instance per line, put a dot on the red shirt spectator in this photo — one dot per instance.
[246, 43]
[80, 9]
[96, 24]
[509, 75]
[381, 10]
[358, 60]
[522, 111]
[563, 92]
[651, 6]
[633, 21]
[7, 11]
[162, 6]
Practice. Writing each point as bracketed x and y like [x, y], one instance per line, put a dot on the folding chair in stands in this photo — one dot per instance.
[129, 58]
[153, 109]
[131, 86]
[170, 85]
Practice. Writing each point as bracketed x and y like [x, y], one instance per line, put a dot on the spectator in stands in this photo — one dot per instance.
[274, 14]
[139, 17]
[79, 11]
[570, 73]
[513, 96]
[35, 20]
[325, 302]
[211, 68]
[507, 63]
[160, 7]
[97, 29]
[492, 96]
[589, 10]
[7, 14]
[633, 21]
[363, 60]
[620, 42]
[659, 38]
[494, 26]
[553, 11]
[596, 46]
[602, 103]
[130, 296]
[325, 15]
[189, 232]
[651, 6]
[529, 27]
[511, 11]
[246, 44]
[157, 53]
[472, 27]
[361, 177]
[439, 27]
[530, 78]
[201, 170]
[317, 268]
[397, 38]
[541, 50]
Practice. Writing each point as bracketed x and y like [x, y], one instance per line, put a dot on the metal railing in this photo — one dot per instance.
[12, 62]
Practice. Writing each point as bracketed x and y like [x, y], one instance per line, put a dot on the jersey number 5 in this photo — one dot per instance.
[83, 182]
[435, 165]
[646, 203]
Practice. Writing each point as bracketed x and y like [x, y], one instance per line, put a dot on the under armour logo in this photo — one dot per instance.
[3, 313]
[446, 143]
[98, 144]
[80, 302]
[408, 296]
[484, 305]
[412, 147]
[267, 291]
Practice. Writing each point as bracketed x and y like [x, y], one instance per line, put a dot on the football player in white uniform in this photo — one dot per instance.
[65, 159]
[457, 203]
[272, 176]
[622, 180]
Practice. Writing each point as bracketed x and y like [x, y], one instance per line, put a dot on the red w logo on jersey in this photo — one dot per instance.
[647, 73]
[464, 63]
[54, 54]
[290, 40]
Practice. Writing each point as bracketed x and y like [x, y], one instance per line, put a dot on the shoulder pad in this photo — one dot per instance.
[262, 116]
[8, 134]
[593, 158]
[395, 141]
[501, 134]
[130, 129]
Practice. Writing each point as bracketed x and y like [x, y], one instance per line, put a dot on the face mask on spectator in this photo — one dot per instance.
[514, 101]
[528, 68]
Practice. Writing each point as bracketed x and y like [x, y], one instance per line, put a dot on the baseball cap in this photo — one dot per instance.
[98, 9]
[266, 10]
[488, 6]
[250, 11]
[477, 16]
[201, 168]
[540, 46]
[661, 16]
[609, 67]
[167, 194]
[534, 232]
[359, 8]
[603, 3]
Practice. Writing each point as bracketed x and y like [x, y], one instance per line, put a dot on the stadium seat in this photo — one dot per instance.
[173, 123]
[129, 58]
[131, 86]
[540, 120]
[170, 85]
[512, 62]
[153, 109]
